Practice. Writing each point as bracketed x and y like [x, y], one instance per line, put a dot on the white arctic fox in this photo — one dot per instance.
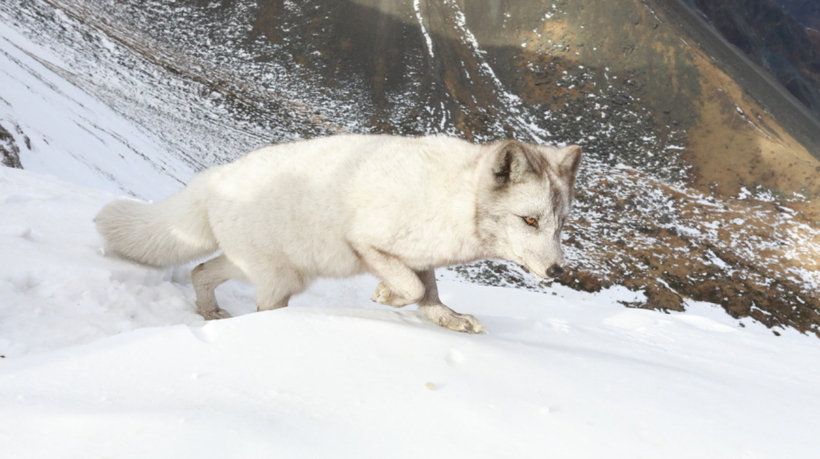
[396, 207]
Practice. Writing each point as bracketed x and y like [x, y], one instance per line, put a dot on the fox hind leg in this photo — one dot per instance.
[268, 299]
[275, 284]
[206, 277]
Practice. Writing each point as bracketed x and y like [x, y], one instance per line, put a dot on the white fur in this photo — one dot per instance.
[397, 207]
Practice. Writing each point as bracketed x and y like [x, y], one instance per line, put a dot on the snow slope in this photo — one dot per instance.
[65, 131]
[103, 358]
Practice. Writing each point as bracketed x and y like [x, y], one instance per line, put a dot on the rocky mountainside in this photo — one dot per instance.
[806, 12]
[700, 177]
[782, 36]
[9, 152]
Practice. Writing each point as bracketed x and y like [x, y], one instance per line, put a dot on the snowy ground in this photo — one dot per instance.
[103, 358]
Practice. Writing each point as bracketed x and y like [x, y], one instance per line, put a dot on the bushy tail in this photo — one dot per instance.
[169, 232]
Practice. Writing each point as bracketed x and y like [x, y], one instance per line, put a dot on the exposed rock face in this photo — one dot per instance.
[9, 151]
[806, 12]
[691, 188]
[771, 33]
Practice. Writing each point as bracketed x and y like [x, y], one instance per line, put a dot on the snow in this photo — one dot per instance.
[427, 40]
[73, 134]
[105, 358]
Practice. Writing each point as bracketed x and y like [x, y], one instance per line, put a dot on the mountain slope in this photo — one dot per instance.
[57, 128]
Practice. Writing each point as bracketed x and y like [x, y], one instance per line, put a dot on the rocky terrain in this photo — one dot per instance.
[9, 152]
[699, 181]
[782, 36]
[806, 12]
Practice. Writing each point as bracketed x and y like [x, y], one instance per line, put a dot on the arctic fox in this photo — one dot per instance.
[396, 207]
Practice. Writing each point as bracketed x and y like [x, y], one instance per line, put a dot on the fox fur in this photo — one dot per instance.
[396, 207]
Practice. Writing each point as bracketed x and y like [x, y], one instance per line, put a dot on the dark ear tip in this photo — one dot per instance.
[568, 160]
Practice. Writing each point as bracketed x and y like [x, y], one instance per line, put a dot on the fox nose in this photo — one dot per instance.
[555, 271]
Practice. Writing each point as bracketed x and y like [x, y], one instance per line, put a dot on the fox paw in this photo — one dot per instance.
[464, 323]
[447, 318]
[383, 295]
[215, 314]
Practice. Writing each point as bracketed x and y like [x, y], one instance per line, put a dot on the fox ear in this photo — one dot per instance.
[514, 160]
[566, 161]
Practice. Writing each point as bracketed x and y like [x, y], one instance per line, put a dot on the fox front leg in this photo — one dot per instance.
[400, 285]
[431, 306]
[383, 295]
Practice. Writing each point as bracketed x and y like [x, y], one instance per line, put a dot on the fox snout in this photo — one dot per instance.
[552, 272]
[555, 271]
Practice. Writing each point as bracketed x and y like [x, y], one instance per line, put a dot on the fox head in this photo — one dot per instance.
[524, 198]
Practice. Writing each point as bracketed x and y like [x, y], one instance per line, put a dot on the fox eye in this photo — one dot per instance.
[531, 221]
